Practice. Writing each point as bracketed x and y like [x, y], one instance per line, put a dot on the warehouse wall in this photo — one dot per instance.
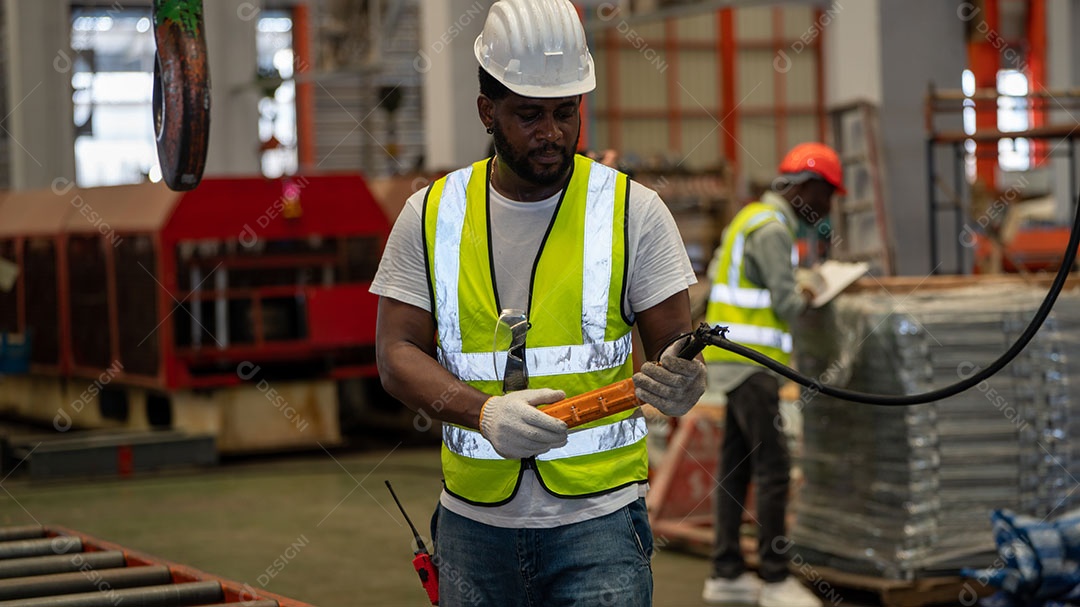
[454, 135]
[230, 45]
[778, 87]
[38, 122]
[403, 136]
[661, 94]
[852, 54]
[358, 72]
[1063, 71]
[922, 41]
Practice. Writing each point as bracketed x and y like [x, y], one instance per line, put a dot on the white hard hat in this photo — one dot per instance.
[536, 48]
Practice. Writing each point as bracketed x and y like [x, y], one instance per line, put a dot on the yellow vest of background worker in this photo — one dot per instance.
[578, 338]
[742, 306]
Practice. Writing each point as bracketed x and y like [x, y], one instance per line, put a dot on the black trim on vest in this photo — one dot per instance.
[587, 495]
[627, 315]
[427, 254]
[487, 221]
[543, 241]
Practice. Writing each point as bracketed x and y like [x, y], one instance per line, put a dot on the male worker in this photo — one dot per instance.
[531, 513]
[755, 295]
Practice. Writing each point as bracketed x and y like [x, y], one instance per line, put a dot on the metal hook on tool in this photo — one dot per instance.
[181, 92]
[516, 371]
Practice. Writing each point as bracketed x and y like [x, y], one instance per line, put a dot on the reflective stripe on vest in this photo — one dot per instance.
[447, 245]
[742, 306]
[541, 361]
[596, 277]
[579, 339]
[759, 336]
[470, 443]
[741, 297]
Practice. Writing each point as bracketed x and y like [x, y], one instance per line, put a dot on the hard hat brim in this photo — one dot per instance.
[804, 176]
[554, 92]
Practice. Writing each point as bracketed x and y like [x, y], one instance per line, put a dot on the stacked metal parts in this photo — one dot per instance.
[901, 492]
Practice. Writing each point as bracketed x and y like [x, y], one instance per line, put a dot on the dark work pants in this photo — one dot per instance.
[754, 447]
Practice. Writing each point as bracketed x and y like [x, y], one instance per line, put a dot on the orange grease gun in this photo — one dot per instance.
[620, 396]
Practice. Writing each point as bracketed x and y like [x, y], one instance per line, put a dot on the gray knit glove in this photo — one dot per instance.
[674, 385]
[517, 429]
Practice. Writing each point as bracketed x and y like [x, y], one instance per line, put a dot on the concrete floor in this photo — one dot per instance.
[316, 527]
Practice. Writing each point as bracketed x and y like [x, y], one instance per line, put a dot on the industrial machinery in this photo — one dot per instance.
[232, 309]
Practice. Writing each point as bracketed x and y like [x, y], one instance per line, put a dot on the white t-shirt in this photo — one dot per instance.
[658, 268]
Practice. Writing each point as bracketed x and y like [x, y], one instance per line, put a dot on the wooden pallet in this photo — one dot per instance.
[836, 587]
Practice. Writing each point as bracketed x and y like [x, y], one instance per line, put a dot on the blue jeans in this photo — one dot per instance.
[602, 562]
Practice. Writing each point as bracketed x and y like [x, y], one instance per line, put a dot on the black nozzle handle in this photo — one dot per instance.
[701, 337]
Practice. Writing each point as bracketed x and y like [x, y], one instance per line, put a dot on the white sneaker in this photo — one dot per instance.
[742, 590]
[788, 593]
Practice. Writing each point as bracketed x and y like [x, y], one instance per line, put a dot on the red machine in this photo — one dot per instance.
[1032, 249]
[235, 281]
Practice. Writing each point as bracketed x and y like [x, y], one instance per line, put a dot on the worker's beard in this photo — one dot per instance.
[523, 168]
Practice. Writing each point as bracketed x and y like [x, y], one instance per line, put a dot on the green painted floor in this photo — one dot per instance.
[317, 527]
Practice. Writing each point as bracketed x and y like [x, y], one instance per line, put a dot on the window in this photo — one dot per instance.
[277, 106]
[113, 79]
[1013, 114]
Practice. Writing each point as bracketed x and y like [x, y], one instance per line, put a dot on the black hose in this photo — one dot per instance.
[716, 338]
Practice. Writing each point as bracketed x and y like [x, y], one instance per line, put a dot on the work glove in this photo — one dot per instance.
[517, 429]
[675, 384]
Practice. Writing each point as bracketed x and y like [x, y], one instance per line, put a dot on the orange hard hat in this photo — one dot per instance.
[816, 158]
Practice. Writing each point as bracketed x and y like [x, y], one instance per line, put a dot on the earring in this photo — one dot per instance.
[490, 130]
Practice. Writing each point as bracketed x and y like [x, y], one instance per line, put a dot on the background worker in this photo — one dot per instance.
[755, 294]
[532, 514]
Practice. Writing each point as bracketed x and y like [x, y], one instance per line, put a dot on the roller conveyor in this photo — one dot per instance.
[20, 532]
[62, 568]
[171, 595]
[58, 563]
[79, 581]
[38, 547]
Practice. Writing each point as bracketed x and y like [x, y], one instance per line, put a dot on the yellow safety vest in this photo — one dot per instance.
[742, 306]
[579, 338]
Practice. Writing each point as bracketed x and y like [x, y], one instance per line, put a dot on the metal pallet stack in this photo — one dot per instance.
[903, 491]
[1066, 319]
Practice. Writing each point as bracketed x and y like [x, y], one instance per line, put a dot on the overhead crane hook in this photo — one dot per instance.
[181, 98]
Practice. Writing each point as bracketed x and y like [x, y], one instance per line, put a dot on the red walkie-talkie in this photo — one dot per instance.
[429, 577]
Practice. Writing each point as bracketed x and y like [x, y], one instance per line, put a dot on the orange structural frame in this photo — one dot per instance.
[728, 110]
[305, 93]
[1036, 64]
[984, 61]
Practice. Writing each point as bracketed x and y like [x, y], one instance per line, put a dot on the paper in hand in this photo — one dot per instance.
[836, 276]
